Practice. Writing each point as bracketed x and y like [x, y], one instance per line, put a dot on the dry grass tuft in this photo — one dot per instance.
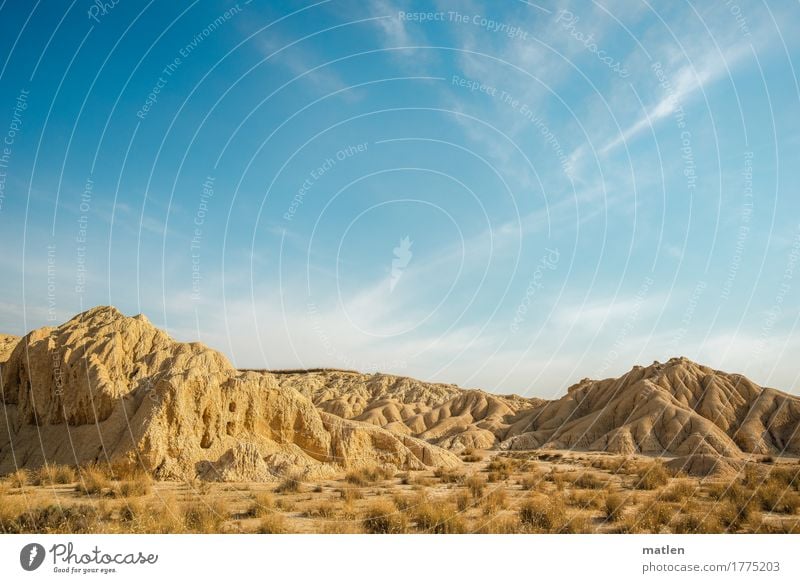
[53, 474]
[383, 517]
[273, 523]
[475, 485]
[545, 513]
[204, 517]
[651, 476]
[20, 478]
[369, 475]
[449, 476]
[92, 481]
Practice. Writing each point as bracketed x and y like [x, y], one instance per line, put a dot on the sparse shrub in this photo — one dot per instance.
[462, 501]
[585, 499]
[558, 479]
[475, 486]
[438, 518]
[20, 478]
[262, 506]
[577, 523]
[272, 523]
[547, 513]
[495, 501]
[500, 468]
[53, 474]
[368, 475]
[733, 516]
[402, 501]
[499, 524]
[350, 493]
[204, 518]
[651, 476]
[532, 480]
[326, 509]
[382, 517]
[469, 455]
[140, 485]
[78, 519]
[615, 504]
[449, 476]
[678, 492]
[775, 497]
[696, 521]
[653, 516]
[291, 484]
[91, 481]
[589, 481]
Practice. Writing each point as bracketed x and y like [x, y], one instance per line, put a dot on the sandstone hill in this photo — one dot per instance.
[108, 387]
[442, 414]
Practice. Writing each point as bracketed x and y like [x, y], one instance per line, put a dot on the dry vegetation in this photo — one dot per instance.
[519, 492]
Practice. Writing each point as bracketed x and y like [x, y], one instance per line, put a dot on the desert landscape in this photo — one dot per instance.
[109, 425]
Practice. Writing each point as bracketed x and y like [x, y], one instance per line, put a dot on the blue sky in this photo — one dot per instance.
[505, 195]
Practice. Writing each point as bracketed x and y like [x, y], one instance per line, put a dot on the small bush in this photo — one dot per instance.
[449, 476]
[368, 475]
[475, 486]
[499, 524]
[350, 493]
[678, 492]
[532, 480]
[438, 518]
[273, 523]
[546, 513]
[141, 485]
[291, 484]
[382, 517]
[262, 506]
[495, 501]
[325, 509]
[615, 504]
[53, 474]
[19, 478]
[204, 518]
[696, 521]
[92, 481]
[651, 476]
[589, 481]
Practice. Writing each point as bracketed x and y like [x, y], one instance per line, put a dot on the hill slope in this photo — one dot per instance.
[107, 387]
